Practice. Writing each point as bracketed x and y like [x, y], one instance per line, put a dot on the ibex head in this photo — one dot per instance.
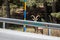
[35, 18]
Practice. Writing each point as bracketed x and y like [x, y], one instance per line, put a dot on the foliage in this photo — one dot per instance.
[48, 7]
[16, 2]
[58, 6]
[1, 1]
[57, 15]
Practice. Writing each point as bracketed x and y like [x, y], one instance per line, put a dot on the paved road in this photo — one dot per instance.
[16, 35]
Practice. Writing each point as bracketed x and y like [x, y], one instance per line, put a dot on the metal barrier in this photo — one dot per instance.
[30, 23]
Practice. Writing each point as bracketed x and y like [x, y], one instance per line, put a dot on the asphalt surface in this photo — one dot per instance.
[17, 35]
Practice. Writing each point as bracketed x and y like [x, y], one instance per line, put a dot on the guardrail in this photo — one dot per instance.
[29, 23]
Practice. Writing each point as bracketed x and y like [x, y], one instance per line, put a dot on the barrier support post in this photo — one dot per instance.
[49, 31]
[3, 25]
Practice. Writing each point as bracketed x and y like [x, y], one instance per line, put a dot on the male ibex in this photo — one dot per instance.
[35, 18]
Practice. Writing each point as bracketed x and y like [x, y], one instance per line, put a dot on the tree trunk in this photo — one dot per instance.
[45, 5]
[7, 8]
[53, 6]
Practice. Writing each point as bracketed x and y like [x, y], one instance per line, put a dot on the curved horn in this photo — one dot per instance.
[33, 16]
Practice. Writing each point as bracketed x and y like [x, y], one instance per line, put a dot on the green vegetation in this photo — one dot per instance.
[57, 15]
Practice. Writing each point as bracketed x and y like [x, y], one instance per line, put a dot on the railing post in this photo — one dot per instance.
[25, 14]
[49, 32]
[3, 25]
[24, 29]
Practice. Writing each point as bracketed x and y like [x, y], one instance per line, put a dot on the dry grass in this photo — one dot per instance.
[56, 33]
[45, 31]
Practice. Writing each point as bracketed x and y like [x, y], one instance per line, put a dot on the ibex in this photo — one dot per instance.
[35, 18]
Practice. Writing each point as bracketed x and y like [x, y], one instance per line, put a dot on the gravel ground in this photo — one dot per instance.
[45, 31]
